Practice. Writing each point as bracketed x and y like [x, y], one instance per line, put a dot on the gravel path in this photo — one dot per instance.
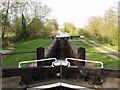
[99, 49]
[104, 46]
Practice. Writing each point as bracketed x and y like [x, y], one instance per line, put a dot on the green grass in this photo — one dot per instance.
[24, 46]
[107, 60]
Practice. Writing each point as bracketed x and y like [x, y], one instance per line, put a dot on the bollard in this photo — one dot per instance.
[81, 55]
[52, 37]
[40, 55]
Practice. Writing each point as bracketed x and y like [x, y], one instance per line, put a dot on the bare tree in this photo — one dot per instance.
[5, 12]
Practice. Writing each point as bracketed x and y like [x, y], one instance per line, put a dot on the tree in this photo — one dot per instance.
[5, 11]
[31, 15]
[52, 25]
[36, 27]
[39, 10]
[69, 27]
[21, 16]
[93, 25]
[16, 25]
[111, 25]
[104, 28]
[23, 33]
[110, 16]
[78, 31]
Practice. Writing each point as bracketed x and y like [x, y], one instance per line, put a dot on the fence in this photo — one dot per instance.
[35, 52]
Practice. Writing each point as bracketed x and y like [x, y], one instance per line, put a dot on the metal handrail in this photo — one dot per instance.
[47, 59]
[84, 61]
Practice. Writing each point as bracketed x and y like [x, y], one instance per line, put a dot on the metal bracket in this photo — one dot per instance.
[60, 62]
[48, 59]
[84, 61]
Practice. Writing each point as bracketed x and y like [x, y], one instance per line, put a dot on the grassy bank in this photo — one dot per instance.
[108, 61]
[24, 46]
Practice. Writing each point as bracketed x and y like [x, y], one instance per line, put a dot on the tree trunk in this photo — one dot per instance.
[6, 19]
[3, 32]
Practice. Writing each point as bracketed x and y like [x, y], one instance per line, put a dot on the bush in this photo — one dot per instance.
[85, 33]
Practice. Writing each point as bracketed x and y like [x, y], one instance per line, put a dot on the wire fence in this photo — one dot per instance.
[35, 52]
[18, 53]
[102, 53]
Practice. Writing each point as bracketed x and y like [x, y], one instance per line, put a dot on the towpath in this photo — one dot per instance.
[99, 49]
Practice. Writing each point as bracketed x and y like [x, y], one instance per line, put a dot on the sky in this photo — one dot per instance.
[77, 11]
